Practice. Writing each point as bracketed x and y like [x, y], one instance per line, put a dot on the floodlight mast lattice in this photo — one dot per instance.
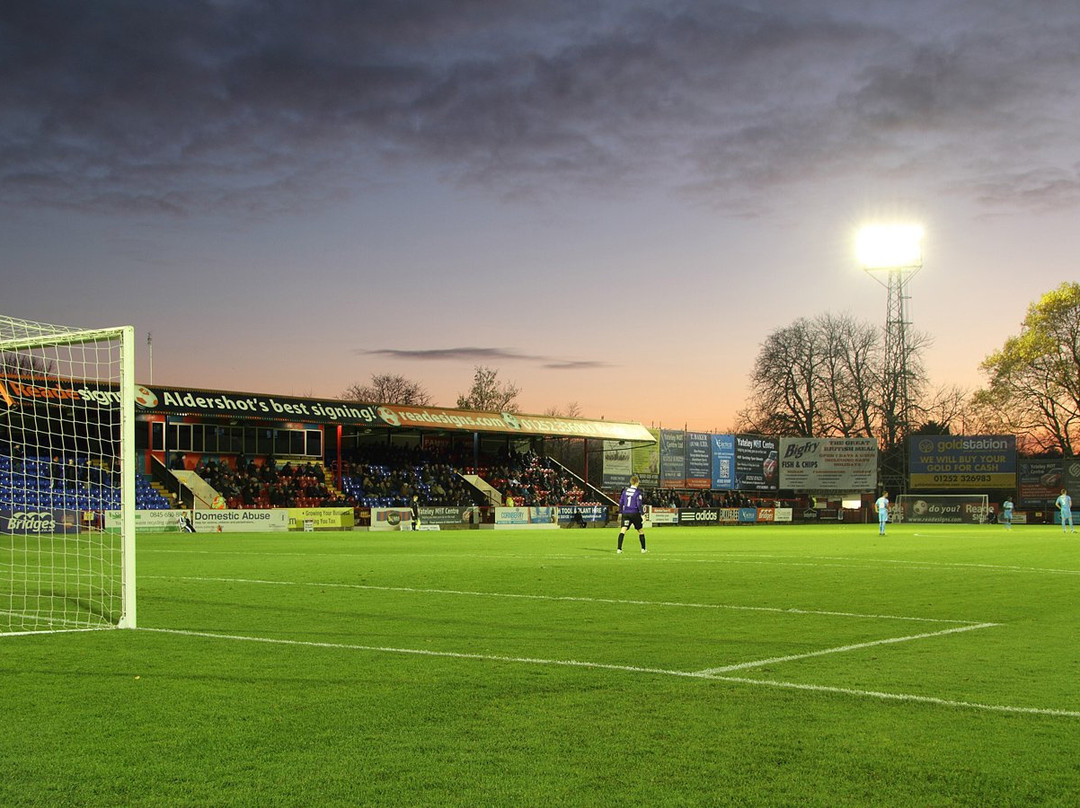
[892, 255]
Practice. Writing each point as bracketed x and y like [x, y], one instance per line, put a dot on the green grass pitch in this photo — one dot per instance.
[780, 665]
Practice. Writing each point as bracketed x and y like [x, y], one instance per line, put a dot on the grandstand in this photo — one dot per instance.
[202, 449]
[75, 484]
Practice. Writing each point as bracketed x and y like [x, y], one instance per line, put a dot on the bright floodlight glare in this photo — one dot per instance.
[882, 246]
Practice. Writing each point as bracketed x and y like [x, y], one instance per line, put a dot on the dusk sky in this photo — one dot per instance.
[611, 203]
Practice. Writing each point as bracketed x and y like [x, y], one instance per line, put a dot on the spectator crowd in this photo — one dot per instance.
[395, 476]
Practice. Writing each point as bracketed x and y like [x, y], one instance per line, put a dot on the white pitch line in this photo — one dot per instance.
[884, 696]
[904, 697]
[749, 558]
[577, 599]
[53, 631]
[955, 565]
[863, 563]
[841, 649]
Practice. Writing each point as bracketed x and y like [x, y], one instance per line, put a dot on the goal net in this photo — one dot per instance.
[67, 436]
[943, 508]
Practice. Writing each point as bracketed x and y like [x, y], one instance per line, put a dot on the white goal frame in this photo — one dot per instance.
[941, 509]
[54, 381]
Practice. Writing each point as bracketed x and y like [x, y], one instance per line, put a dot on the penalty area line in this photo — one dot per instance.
[572, 663]
[841, 649]
[902, 697]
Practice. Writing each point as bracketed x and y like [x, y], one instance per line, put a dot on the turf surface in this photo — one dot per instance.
[782, 665]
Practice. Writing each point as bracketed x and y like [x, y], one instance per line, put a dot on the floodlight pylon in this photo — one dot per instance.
[892, 255]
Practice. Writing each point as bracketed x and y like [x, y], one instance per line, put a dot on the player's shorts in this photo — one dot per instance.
[632, 520]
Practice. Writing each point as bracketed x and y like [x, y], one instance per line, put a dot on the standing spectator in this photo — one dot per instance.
[630, 508]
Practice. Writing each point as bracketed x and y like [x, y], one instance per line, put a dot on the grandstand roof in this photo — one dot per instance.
[271, 407]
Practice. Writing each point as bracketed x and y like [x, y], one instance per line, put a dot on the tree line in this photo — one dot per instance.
[826, 376]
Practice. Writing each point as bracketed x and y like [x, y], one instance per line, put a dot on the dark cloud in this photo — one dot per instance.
[187, 107]
[472, 354]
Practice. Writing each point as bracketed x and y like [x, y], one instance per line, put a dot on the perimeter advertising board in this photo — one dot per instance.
[151, 521]
[699, 516]
[156, 521]
[723, 462]
[663, 516]
[449, 515]
[1039, 482]
[946, 509]
[241, 521]
[672, 458]
[391, 519]
[828, 464]
[963, 462]
[321, 518]
[698, 460]
[39, 521]
[617, 464]
[1071, 479]
[646, 461]
[588, 513]
[756, 463]
[543, 516]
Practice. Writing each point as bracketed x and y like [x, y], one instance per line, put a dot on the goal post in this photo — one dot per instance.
[943, 508]
[67, 477]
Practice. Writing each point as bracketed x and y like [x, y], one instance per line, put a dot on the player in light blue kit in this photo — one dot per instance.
[1064, 504]
[631, 507]
[881, 505]
[1006, 512]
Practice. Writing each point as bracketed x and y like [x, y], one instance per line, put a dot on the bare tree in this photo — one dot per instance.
[825, 376]
[784, 383]
[488, 394]
[14, 362]
[949, 408]
[571, 410]
[851, 368]
[386, 388]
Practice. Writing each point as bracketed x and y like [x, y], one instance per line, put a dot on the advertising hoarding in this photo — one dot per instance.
[1038, 482]
[962, 462]
[828, 464]
[646, 461]
[757, 463]
[617, 464]
[698, 460]
[39, 521]
[672, 458]
[723, 462]
[240, 521]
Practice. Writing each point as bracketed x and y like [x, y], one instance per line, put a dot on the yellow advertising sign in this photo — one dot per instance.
[323, 518]
[964, 481]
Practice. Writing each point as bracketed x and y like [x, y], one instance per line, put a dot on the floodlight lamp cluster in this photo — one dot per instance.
[889, 246]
